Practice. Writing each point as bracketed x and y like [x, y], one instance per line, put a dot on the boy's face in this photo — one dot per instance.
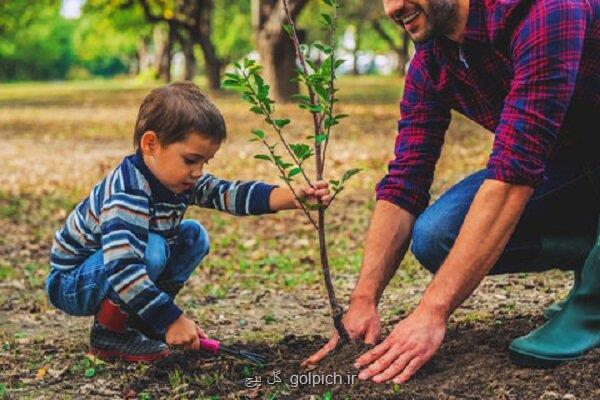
[179, 165]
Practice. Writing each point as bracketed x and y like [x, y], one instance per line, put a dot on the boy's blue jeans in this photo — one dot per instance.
[556, 230]
[81, 290]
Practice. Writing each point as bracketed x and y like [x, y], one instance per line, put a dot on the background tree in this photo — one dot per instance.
[274, 45]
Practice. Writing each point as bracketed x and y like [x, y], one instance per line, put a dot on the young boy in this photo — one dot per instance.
[125, 253]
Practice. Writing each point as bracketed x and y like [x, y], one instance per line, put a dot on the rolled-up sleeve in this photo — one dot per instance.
[546, 50]
[424, 119]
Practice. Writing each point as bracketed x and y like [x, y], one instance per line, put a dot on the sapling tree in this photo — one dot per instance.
[290, 158]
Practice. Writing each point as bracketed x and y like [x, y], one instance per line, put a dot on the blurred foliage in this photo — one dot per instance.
[232, 28]
[37, 43]
[106, 38]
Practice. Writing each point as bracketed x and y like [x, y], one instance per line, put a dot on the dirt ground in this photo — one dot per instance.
[260, 288]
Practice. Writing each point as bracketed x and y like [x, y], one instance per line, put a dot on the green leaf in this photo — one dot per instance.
[262, 157]
[301, 150]
[329, 122]
[341, 116]
[248, 97]
[334, 182]
[350, 173]
[324, 48]
[320, 137]
[328, 2]
[316, 108]
[301, 97]
[327, 396]
[338, 63]
[259, 133]
[294, 172]
[248, 63]
[327, 19]
[280, 123]
[90, 372]
[289, 29]
[230, 83]
[285, 178]
[257, 110]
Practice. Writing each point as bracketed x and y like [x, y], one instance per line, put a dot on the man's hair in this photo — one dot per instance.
[173, 111]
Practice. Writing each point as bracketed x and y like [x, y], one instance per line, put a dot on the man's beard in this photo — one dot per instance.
[441, 18]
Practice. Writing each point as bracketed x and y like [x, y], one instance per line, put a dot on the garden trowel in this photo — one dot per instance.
[214, 346]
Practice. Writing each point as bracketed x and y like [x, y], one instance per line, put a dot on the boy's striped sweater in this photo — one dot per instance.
[120, 212]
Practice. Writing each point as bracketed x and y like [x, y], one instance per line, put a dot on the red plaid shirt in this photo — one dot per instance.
[529, 71]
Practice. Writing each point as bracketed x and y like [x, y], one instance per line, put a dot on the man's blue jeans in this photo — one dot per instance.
[81, 290]
[557, 228]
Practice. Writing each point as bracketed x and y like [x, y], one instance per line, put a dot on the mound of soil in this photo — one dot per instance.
[473, 363]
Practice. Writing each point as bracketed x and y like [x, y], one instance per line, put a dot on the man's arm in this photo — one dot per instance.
[387, 240]
[486, 230]
[488, 226]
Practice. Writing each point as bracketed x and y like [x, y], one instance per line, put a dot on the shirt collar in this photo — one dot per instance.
[160, 193]
[476, 28]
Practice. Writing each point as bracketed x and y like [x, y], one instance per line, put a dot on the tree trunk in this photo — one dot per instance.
[278, 59]
[212, 63]
[142, 55]
[275, 48]
[357, 37]
[164, 48]
[187, 47]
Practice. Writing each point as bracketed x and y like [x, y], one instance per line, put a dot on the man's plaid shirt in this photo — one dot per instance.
[529, 72]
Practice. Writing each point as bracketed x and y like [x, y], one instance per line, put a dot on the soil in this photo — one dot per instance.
[472, 364]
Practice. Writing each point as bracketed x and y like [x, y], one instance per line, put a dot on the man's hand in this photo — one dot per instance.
[411, 344]
[184, 332]
[361, 321]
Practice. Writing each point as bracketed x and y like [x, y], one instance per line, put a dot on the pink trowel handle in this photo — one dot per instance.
[211, 345]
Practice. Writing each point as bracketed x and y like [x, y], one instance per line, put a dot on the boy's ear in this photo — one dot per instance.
[149, 142]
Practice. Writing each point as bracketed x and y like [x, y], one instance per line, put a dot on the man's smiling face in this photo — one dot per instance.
[423, 19]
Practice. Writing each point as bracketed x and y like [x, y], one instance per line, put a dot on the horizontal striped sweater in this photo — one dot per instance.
[123, 208]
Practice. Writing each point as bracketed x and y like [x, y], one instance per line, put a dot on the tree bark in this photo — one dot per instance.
[187, 47]
[276, 50]
[164, 49]
[194, 17]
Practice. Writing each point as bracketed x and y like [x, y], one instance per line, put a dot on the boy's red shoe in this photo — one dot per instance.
[111, 337]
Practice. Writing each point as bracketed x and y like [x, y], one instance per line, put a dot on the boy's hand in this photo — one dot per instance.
[184, 332]
[313, 195]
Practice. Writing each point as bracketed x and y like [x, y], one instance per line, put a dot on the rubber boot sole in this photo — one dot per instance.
[524, 359]
[108, 355]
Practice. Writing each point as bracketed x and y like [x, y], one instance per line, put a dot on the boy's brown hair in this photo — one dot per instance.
[173, 111]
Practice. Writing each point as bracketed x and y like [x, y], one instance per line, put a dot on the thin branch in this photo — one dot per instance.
[311, 93]
[331, 81]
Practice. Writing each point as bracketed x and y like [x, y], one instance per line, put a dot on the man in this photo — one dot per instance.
[529, 71]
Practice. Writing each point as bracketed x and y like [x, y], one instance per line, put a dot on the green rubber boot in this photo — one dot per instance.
[553, 309]
[565, 251]
[573, 331]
